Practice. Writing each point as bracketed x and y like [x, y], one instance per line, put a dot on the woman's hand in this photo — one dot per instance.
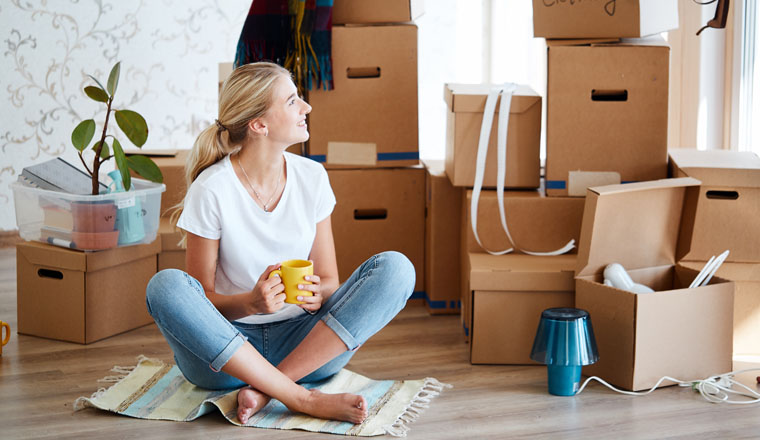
[268, 295]
[314, 302]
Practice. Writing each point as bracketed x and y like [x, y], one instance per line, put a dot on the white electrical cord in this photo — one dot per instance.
[715, 389]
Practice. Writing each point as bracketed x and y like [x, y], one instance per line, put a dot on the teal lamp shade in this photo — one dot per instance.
[564, 342]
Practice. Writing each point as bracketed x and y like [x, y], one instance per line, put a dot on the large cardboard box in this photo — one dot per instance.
[607, 114]
[603, 19]
[746, 277]
[676, 331]
[379, 210]
[79, 296]
[172, 254]
[728, 206]
[537, 223]
[172, 165]
[506, 296]
[370, 118]
[466, 103]
[443, 204]
[373, 11]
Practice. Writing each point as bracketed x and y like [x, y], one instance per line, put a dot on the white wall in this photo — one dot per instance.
[169, 52]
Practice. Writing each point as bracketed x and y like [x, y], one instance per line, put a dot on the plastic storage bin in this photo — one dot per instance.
[88, 222]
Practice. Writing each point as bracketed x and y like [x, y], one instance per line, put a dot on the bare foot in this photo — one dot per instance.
[345, 407]
[249, 402]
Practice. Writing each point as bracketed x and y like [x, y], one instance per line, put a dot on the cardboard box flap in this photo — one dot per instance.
[636, 224]
[471, 98]
[42, 254]
[718, 167]
[730, 271]
[521, 272]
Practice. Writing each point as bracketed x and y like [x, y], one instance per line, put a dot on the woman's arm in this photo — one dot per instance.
[201, 260]
[323, 256]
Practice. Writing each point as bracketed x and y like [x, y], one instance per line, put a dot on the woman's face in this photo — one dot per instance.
[286, 118]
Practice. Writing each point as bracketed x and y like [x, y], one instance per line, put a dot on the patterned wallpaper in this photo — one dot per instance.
[169, 52]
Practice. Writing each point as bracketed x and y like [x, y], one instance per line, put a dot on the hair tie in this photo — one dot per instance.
[219, 125]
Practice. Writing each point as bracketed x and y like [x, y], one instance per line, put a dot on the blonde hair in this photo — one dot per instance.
[246, 95]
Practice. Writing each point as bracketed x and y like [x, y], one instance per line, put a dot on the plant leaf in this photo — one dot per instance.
[133, 125]
[145, 167]
[82, 134]
[96, 94]
[98, 83]
[113, 78]
[121, 162]
[105, 152]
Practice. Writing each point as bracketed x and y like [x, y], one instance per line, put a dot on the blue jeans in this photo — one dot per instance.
[203, 340]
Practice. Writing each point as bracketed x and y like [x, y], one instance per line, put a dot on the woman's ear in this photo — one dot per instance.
[259, 127]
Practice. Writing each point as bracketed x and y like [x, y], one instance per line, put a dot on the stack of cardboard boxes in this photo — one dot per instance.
[365, 132]
[607, 102]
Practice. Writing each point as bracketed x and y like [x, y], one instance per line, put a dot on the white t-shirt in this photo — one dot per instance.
[218, 207]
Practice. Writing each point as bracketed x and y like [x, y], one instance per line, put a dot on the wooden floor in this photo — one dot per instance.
[40, 379]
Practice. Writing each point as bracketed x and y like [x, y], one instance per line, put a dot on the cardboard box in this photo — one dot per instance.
[372, 11]
[507, 294]
[602, 19]
[442, 227]
[379, 210]
[746, 278]
[466, 103]
[607, 114]
[537, 223]
[172, 255]
[79, 296]
[172, 165]
[370, 118]
[728, 205]
[676, 331]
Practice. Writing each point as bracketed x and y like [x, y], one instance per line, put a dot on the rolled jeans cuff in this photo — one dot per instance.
[221, 360]
[344, 335]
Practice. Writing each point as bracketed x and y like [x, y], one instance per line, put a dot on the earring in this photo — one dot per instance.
[266, 132]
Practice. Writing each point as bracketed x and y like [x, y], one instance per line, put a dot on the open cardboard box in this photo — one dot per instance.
[676, 331]
[602, 19]
[504, 301]
[728, 205]
[606, 113]
[466, 103]
[373, 11]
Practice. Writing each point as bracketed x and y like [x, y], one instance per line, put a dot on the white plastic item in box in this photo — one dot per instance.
[46, 216]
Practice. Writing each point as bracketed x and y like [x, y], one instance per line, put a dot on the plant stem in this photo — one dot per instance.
[96, 163]
[85, 164]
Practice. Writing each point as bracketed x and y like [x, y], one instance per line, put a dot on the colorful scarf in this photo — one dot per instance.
[292, 33]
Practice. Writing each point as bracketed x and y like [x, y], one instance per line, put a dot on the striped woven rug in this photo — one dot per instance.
[159, 391]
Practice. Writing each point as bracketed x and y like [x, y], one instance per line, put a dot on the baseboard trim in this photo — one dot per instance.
[9, 238]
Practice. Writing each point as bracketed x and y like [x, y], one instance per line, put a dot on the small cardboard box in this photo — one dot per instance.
[442, 243]
[172, 165]
[676, 331]
[380, 209]
[172, 255]
[466, 103]
[373, 11]
[746, 277]
[507, 294]
[607, 114]
[370, 118]
[603, 19]
[728, 205]
[537, 223]
[79, 296]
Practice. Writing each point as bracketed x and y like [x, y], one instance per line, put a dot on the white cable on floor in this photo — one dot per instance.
[715, 389]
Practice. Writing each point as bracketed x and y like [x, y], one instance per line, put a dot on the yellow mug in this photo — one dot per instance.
[292, 273]
[7, 337]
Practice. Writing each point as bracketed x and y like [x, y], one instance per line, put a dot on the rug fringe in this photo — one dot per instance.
[431, 388]
[122, 372]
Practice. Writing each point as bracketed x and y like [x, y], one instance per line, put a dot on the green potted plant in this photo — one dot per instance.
[96, 224]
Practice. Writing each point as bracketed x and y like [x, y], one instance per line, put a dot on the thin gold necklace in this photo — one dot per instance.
[256, 193]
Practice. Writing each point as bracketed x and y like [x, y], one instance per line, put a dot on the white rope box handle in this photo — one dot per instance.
[506, 90]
